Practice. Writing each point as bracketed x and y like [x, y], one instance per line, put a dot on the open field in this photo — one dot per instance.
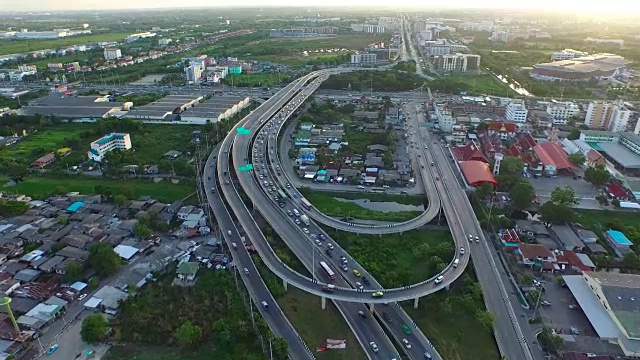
[41, 187]
[21, 46]
[447, 319]
[399, 259]
[255, 80]
[328, 204]
[150, 352]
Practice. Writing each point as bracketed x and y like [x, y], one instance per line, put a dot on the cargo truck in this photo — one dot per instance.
[304, 219]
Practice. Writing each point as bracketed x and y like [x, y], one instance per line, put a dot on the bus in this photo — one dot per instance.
[282, 195]
[327, 271]
[307, 205]
[378, 190]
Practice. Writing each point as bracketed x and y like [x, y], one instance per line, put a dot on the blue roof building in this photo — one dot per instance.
[619, 242]
[75, 206]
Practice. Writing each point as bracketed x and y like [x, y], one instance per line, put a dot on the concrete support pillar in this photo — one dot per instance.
[324, 302]
[371, 307]
[447, 287]
[284, 284]
[415, 302]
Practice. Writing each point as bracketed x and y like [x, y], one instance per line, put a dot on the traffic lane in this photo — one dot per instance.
[71, 344]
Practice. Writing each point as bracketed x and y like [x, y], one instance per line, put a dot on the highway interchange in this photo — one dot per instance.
[265, 124]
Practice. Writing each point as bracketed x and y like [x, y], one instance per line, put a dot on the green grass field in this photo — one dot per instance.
[41, 187]
[49, 140]
[474, 84]
[255, 80]
[328, 204]
[399, 259]
[21, 46]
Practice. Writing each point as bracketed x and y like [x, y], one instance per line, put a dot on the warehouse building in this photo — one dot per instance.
[166, 109]
[73, 107]
[215, 109]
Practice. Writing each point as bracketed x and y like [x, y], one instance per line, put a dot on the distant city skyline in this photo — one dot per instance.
[622, 6]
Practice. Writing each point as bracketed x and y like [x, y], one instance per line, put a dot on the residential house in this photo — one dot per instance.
[502, 129]
[534, 254]
[187, 271]
[567, 237]
[619, 242]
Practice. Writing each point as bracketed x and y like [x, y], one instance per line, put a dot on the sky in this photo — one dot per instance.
[622, 6]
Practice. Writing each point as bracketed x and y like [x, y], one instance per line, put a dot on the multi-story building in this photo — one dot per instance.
[112, 53]
[389, 23]
[107, 143]
[457, 62]
[164, 41]
[567, 54]
[364, 59]
[445, 119]
[516, 111]
[193, 73]
[610, 116]
[562, 111]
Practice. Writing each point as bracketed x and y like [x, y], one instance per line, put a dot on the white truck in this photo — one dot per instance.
[304, 219]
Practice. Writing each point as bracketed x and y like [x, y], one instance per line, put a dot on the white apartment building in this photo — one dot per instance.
[193, 73]
[364, 59]
[107, 143]
[610, 116]
[567, 54]
[112, 53]
[515, 111]
[562, 111]
[445, 119]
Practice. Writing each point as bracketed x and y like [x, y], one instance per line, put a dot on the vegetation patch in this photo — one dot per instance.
[472, 84]
[21, 46]
[397, 260]
[376, 81]
[204, 321]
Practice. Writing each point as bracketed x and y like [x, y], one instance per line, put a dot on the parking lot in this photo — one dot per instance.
[544, 186]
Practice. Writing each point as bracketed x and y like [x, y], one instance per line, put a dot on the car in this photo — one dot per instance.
[439, 279]
[362, 314]
[246, 271]
[297, 221]
[229, 232]
[318, 242]
[329, 245]
[264, 304]
[406, 329]
[437, 177]
[82, 296]
[328, 252]
[213, 190]
[305, 230]
[377, 294]
[461, 250]
[52, 349]
[432, 163]
[359, 286]
[328, 288]
[406, 343]
[356, 273]
[477, 239]
[289, 212]
[344, 267]
[374, 347]
[235, 246]
[343, 259]
[322, 237]
[427, 356]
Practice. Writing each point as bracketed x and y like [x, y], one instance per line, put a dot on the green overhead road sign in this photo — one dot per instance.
[247, 167]
[243, 131]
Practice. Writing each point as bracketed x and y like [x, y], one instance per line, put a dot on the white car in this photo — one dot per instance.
[477, 239]
[82, 296]
[246, 271]
[229, 232]
[305, 230]
[439, 279]
[330, 246]
[406, 343]
[374, 347]
[318, 242]
[359, 286]
[461, 250]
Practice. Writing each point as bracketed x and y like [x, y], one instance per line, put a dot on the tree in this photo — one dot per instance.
[120, 200]
[142, 231]
[555, 214]
[73, 272]
[94, 328]
[188, 334]
[485, 318]
[280, 348]
[564, 196]
[577, 158]
[615, 202]
[484, 190]
[598, 176]
[574, 134]
[522, 194]
[550, 340]
[9, 208]
[104, 260]
[510, 169]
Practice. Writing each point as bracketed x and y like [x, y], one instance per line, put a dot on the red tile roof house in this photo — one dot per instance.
[502, 129]
[468, 152]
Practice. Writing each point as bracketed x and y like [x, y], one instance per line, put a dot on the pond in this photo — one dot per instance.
[514, 85]
[383, 206]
